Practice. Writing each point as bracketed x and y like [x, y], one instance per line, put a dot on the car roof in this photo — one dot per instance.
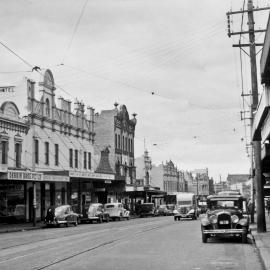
[224, 197]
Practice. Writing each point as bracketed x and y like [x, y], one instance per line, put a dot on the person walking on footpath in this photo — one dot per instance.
[268, 206]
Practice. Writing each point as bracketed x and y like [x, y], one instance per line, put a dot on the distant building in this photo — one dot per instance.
[115, 130]
[239, 182]
[198, 182]
[221, 186]
[168, 177]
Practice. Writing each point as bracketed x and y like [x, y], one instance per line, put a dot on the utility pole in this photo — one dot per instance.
[256, 145]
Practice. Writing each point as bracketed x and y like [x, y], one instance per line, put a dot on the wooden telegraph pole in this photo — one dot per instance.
[256, 145]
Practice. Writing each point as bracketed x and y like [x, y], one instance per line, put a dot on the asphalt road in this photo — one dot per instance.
[147, 243]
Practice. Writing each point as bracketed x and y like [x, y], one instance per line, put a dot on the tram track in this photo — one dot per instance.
[121, 235]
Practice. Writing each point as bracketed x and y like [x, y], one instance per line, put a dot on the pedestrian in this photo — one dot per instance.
[268, 206]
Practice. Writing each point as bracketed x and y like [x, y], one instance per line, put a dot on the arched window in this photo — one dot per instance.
[47, 107]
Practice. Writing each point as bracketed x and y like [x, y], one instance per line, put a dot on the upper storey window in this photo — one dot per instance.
[47, 107]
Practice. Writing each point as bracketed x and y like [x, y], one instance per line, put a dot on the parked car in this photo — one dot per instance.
[95, 212]
[170, 208]
[61, 215]
[226, 216]
[162, 210]
[146, 210]
[116, 211]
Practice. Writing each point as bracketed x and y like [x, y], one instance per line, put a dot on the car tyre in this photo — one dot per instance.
[204, 237]
[100, 219]
[76, 223]
[244, 237]
[107, 219]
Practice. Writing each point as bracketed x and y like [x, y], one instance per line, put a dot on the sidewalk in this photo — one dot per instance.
[262, 242]
[20, 227]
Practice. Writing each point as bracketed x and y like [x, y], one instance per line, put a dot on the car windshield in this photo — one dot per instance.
[110, 206]
[184, 202]
[147, 207]
[94, 206]
[225, 204]
[60, 209]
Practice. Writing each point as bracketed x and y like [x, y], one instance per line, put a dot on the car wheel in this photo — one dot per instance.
[76, 222]
[244, 237]
[204, 237]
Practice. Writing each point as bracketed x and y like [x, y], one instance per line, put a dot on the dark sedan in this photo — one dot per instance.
[61, 215]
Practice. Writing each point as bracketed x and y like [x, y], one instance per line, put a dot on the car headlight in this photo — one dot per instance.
[235, 219]
[192, 211]
[213, 219]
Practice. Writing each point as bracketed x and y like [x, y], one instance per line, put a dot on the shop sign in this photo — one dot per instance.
[100, 189]
[130, 188]
[24, 175]
[92, 175]
[7, 89]
[55, 178]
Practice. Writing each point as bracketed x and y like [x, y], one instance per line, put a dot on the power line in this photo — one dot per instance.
[76, 28]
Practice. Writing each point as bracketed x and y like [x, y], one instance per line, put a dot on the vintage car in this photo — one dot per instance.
[226, 216]
[116, 211]
[61, 215]
[186, 206]
[162, 210]
[184, 211]
[146, 210]
[95, 212]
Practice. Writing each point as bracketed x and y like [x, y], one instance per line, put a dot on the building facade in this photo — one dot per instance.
[15, 176]
[48, 156]
[114, 129]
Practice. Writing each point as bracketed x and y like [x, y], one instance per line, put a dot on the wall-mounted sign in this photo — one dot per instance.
[7, 89]
[55, 178]
[24, 175]
[92, 175]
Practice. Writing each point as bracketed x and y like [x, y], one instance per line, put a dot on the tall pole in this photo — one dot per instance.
[261, 226]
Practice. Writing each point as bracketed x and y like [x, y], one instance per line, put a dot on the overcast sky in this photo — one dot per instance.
[170, 61]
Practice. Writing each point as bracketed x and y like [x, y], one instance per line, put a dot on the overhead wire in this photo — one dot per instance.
[75, 29]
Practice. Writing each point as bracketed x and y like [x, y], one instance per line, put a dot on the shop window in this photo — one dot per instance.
[70, 158]
[56, 154]
[36, 151]
[84, 160]
[76, 159]
[89, 161]
[46, 153]
[4, 148]
[18, 153]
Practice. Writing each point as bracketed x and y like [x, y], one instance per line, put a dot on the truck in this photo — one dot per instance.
[185, 205]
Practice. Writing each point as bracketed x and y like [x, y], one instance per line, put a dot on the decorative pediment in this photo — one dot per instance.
[10, 109]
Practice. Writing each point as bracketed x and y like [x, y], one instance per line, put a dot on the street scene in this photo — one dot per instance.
[135, 134]
[148, 243]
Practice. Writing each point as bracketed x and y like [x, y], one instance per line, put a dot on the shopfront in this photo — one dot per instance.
[16, 192]
[86, 188]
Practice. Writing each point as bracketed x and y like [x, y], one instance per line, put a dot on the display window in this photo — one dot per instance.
[12, 202]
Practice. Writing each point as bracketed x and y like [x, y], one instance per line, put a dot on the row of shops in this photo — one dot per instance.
[25, 195]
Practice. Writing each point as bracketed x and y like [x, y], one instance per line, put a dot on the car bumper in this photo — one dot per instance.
[55, 222]
[224, 231]
[184, 216]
